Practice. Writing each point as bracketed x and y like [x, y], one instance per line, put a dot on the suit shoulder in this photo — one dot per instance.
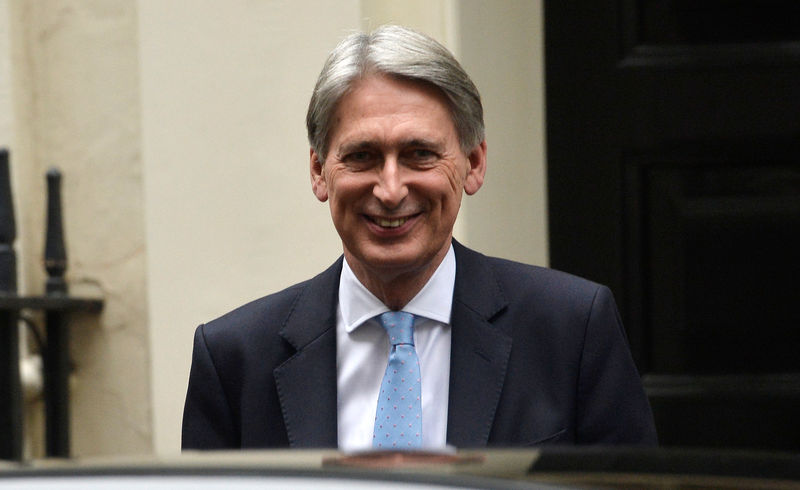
[511, 272]
[521, 284]
[267, 312]
[269, 325]
[517, 279]
[266, 316]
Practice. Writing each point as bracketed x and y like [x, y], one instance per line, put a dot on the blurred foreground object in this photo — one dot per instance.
[504, 468]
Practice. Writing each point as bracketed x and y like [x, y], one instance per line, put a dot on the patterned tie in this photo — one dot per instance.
[398, 416]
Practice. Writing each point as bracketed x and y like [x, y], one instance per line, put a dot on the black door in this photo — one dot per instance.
[673, 133]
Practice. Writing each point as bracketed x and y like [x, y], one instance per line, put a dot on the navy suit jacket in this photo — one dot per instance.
[537, 356]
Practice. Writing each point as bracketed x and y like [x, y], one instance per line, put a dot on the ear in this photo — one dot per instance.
[318, 184]
[477, 169]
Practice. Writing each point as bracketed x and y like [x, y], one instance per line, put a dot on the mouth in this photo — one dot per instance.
[391, 223]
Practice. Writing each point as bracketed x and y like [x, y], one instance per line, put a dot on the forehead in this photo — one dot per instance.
[392, 106]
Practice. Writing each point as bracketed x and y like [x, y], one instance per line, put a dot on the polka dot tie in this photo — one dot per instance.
[398, 416]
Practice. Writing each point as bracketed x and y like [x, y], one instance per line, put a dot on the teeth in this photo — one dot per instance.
[391, 223]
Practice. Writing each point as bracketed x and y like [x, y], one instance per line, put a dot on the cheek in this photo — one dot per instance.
[334, 182]
[344, 190]
[450, 182]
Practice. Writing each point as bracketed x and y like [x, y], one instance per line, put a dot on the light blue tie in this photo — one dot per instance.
[398, 416]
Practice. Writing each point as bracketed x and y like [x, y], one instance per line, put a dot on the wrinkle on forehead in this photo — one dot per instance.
[370, 93]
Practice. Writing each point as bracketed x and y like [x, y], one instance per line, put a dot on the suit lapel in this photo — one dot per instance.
[479, 351]
[306, 382]
[478, 358]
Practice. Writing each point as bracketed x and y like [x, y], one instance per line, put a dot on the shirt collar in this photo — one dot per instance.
[433, 301]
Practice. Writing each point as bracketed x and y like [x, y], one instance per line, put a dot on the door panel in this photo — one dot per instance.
[673, 132]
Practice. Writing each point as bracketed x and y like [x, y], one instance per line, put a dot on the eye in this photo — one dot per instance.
[422, 155]
[360, 157]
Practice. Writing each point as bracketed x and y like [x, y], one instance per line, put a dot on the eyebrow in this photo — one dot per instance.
[362, 145]
[425, 143]
[356, 146]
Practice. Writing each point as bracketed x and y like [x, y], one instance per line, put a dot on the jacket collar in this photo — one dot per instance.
[306, 382]
[479, 351]
[478, 357]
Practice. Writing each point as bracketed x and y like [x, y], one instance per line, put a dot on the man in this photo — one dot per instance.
[490, 352]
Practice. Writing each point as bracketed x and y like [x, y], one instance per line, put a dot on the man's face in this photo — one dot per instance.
[394, 176]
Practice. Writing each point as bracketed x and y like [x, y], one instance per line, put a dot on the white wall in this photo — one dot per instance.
[5, 77]
[75, 105]
[502, 47]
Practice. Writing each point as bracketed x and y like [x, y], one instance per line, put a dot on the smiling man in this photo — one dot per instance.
[394, 175]
[410, 340]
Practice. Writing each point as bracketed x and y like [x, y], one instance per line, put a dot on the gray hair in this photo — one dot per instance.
[401, 53]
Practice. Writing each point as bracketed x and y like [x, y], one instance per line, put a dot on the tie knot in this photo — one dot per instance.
[399, 325]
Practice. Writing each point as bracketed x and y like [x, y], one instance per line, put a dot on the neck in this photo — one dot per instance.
[395, 288]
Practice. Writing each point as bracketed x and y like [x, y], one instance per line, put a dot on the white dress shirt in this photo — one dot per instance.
[362, 352]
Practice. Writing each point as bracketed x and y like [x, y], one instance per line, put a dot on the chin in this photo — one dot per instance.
[393, 260]
[382, 257]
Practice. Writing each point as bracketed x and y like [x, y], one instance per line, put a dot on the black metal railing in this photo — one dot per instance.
[56, 304]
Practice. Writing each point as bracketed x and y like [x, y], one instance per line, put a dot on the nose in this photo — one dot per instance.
[390, 189]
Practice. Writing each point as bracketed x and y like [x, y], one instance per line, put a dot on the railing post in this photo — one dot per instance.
[56, 359]
[10, 390]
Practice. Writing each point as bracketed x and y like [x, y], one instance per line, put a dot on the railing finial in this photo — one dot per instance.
[55, 254]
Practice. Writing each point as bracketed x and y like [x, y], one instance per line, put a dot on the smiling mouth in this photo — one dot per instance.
[390, 222]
